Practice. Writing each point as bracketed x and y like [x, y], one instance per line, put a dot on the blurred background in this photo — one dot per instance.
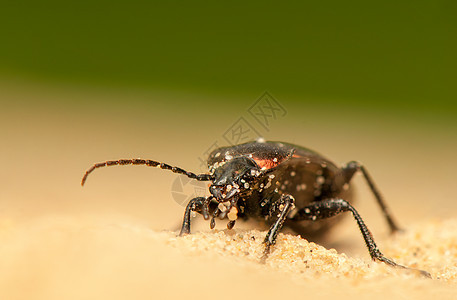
[83, 82]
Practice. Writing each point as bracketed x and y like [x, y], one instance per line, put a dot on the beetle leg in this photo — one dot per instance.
[282, 209]
[348, 172]
[332, 207]
[198, 204]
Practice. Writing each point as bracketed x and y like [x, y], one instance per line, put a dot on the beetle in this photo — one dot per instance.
[279, 183]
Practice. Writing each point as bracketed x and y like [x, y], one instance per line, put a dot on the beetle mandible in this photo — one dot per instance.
[279, 183]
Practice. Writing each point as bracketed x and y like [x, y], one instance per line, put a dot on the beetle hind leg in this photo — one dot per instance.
[349, 171]
[332, 207]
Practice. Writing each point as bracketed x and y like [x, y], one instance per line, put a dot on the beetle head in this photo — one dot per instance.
[234, 177]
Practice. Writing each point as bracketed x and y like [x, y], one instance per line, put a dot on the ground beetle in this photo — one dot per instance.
[280, 183]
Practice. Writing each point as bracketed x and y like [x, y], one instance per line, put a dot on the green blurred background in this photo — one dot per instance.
[386, 56]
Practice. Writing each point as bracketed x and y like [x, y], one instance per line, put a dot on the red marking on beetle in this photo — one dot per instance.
[266, 163]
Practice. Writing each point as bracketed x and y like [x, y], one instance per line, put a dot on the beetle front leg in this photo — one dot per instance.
[281, 208]
[198, 204]
[332, 207]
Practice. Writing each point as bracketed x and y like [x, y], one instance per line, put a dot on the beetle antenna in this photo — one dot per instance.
[149, 163]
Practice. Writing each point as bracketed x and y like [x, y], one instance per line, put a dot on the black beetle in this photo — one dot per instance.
[280, 183]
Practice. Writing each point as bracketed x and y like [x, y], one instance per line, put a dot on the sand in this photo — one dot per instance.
[95, 257]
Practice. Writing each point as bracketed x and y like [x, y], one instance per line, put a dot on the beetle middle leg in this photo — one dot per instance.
[281, 208]
[332, 207]
[349, 171]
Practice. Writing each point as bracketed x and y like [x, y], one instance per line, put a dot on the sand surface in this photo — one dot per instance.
[93, 257]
